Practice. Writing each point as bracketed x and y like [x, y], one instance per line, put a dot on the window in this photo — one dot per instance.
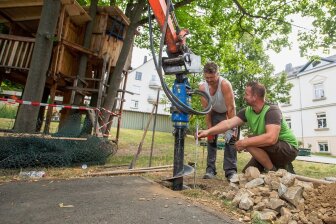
[116, 29]
[289, 122]
[138, 75]
[154, 78]
[323, 146]
[321, 120]
[134, 104]
[318, 91]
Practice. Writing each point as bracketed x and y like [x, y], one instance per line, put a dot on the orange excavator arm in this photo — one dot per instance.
[180, 59]
[159, 8]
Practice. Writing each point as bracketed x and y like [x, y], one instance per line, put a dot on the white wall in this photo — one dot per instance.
[143, 91]
[303, 107]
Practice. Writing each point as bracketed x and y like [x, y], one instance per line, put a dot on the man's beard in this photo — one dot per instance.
[212, 83]
[248, 103]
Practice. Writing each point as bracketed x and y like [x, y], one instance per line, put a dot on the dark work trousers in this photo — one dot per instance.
[230, 153]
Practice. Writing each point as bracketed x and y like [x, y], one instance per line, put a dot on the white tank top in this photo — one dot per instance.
[217, 100]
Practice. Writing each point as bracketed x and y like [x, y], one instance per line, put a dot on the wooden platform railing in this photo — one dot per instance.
[16, 51]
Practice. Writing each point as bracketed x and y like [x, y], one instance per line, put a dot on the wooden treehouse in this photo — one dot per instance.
[21, 20]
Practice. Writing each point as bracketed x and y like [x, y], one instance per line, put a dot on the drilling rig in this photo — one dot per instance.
[180, 62]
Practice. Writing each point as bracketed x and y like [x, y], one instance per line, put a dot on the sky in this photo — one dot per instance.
[279, 60]
[286, 56]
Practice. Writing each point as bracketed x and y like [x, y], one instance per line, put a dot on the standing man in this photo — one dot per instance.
[272, 145]
[223, 107]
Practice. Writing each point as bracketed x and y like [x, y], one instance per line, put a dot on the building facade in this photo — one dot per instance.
[144, 84]
[312, 107]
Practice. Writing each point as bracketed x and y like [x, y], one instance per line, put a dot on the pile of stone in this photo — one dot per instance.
[277, 196]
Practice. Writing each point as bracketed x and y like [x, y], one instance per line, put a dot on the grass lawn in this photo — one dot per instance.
[163, 152]
[323, 154]
[6, 123]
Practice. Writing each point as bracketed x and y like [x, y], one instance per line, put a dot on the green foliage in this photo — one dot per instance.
[8, 85]
[235, 34]
[233, 38]
[323, 33]
[217, 27]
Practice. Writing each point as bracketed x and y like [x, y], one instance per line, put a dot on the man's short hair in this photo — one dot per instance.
[257, 88]
[211, 67]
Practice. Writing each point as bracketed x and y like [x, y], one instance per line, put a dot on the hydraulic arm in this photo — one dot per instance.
[180, 62]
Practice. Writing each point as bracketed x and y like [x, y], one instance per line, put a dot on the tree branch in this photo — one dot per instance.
[243, 10]
[241, 26]
[267, 17]
[182, 3]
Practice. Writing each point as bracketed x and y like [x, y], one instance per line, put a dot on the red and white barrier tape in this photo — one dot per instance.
[24, 102]
[110, 112]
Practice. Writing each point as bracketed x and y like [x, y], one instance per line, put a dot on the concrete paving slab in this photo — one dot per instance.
[317, 159]
[121, 199]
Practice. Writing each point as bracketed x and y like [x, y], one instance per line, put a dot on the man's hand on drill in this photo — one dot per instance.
[202, 134]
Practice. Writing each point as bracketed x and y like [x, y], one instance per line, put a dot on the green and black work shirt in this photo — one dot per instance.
[270, 114]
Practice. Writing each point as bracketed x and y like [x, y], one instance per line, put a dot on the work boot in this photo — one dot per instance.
[232, 177]
[290, 168]
[273, 169]
[209, 175]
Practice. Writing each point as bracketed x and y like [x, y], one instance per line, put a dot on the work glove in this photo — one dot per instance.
[228, 136]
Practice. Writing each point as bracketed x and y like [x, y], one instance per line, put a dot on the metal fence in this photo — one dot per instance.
[138, 120]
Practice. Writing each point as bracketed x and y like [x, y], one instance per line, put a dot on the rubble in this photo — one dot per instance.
[280, 197]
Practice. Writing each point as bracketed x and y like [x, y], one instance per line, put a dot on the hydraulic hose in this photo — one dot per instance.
[158, 64]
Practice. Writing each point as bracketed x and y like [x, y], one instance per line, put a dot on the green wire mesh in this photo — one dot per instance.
[26, 151]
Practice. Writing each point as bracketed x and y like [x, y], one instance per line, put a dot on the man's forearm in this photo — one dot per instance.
[258, 141]
[219, 128]
[231, 112]
[208, 121]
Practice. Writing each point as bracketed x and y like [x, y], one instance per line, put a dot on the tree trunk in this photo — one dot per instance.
[41, 113]
[134, 13]
[27, 114]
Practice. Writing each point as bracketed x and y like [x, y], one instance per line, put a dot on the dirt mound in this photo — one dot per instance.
[321, 201]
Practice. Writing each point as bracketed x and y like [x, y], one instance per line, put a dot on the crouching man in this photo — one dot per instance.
[272, 145]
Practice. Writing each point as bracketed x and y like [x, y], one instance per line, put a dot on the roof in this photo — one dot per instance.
[27, 13]
[112, 11]
[148, 61]
[310, 65]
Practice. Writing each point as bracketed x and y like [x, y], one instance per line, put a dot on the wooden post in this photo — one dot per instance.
[50, 109]
[120, 109]
[42, 110]
[154, 127]
[1, 79]
[100, 93]
[135, 158]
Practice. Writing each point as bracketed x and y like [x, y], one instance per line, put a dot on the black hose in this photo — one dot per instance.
[182, 107]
